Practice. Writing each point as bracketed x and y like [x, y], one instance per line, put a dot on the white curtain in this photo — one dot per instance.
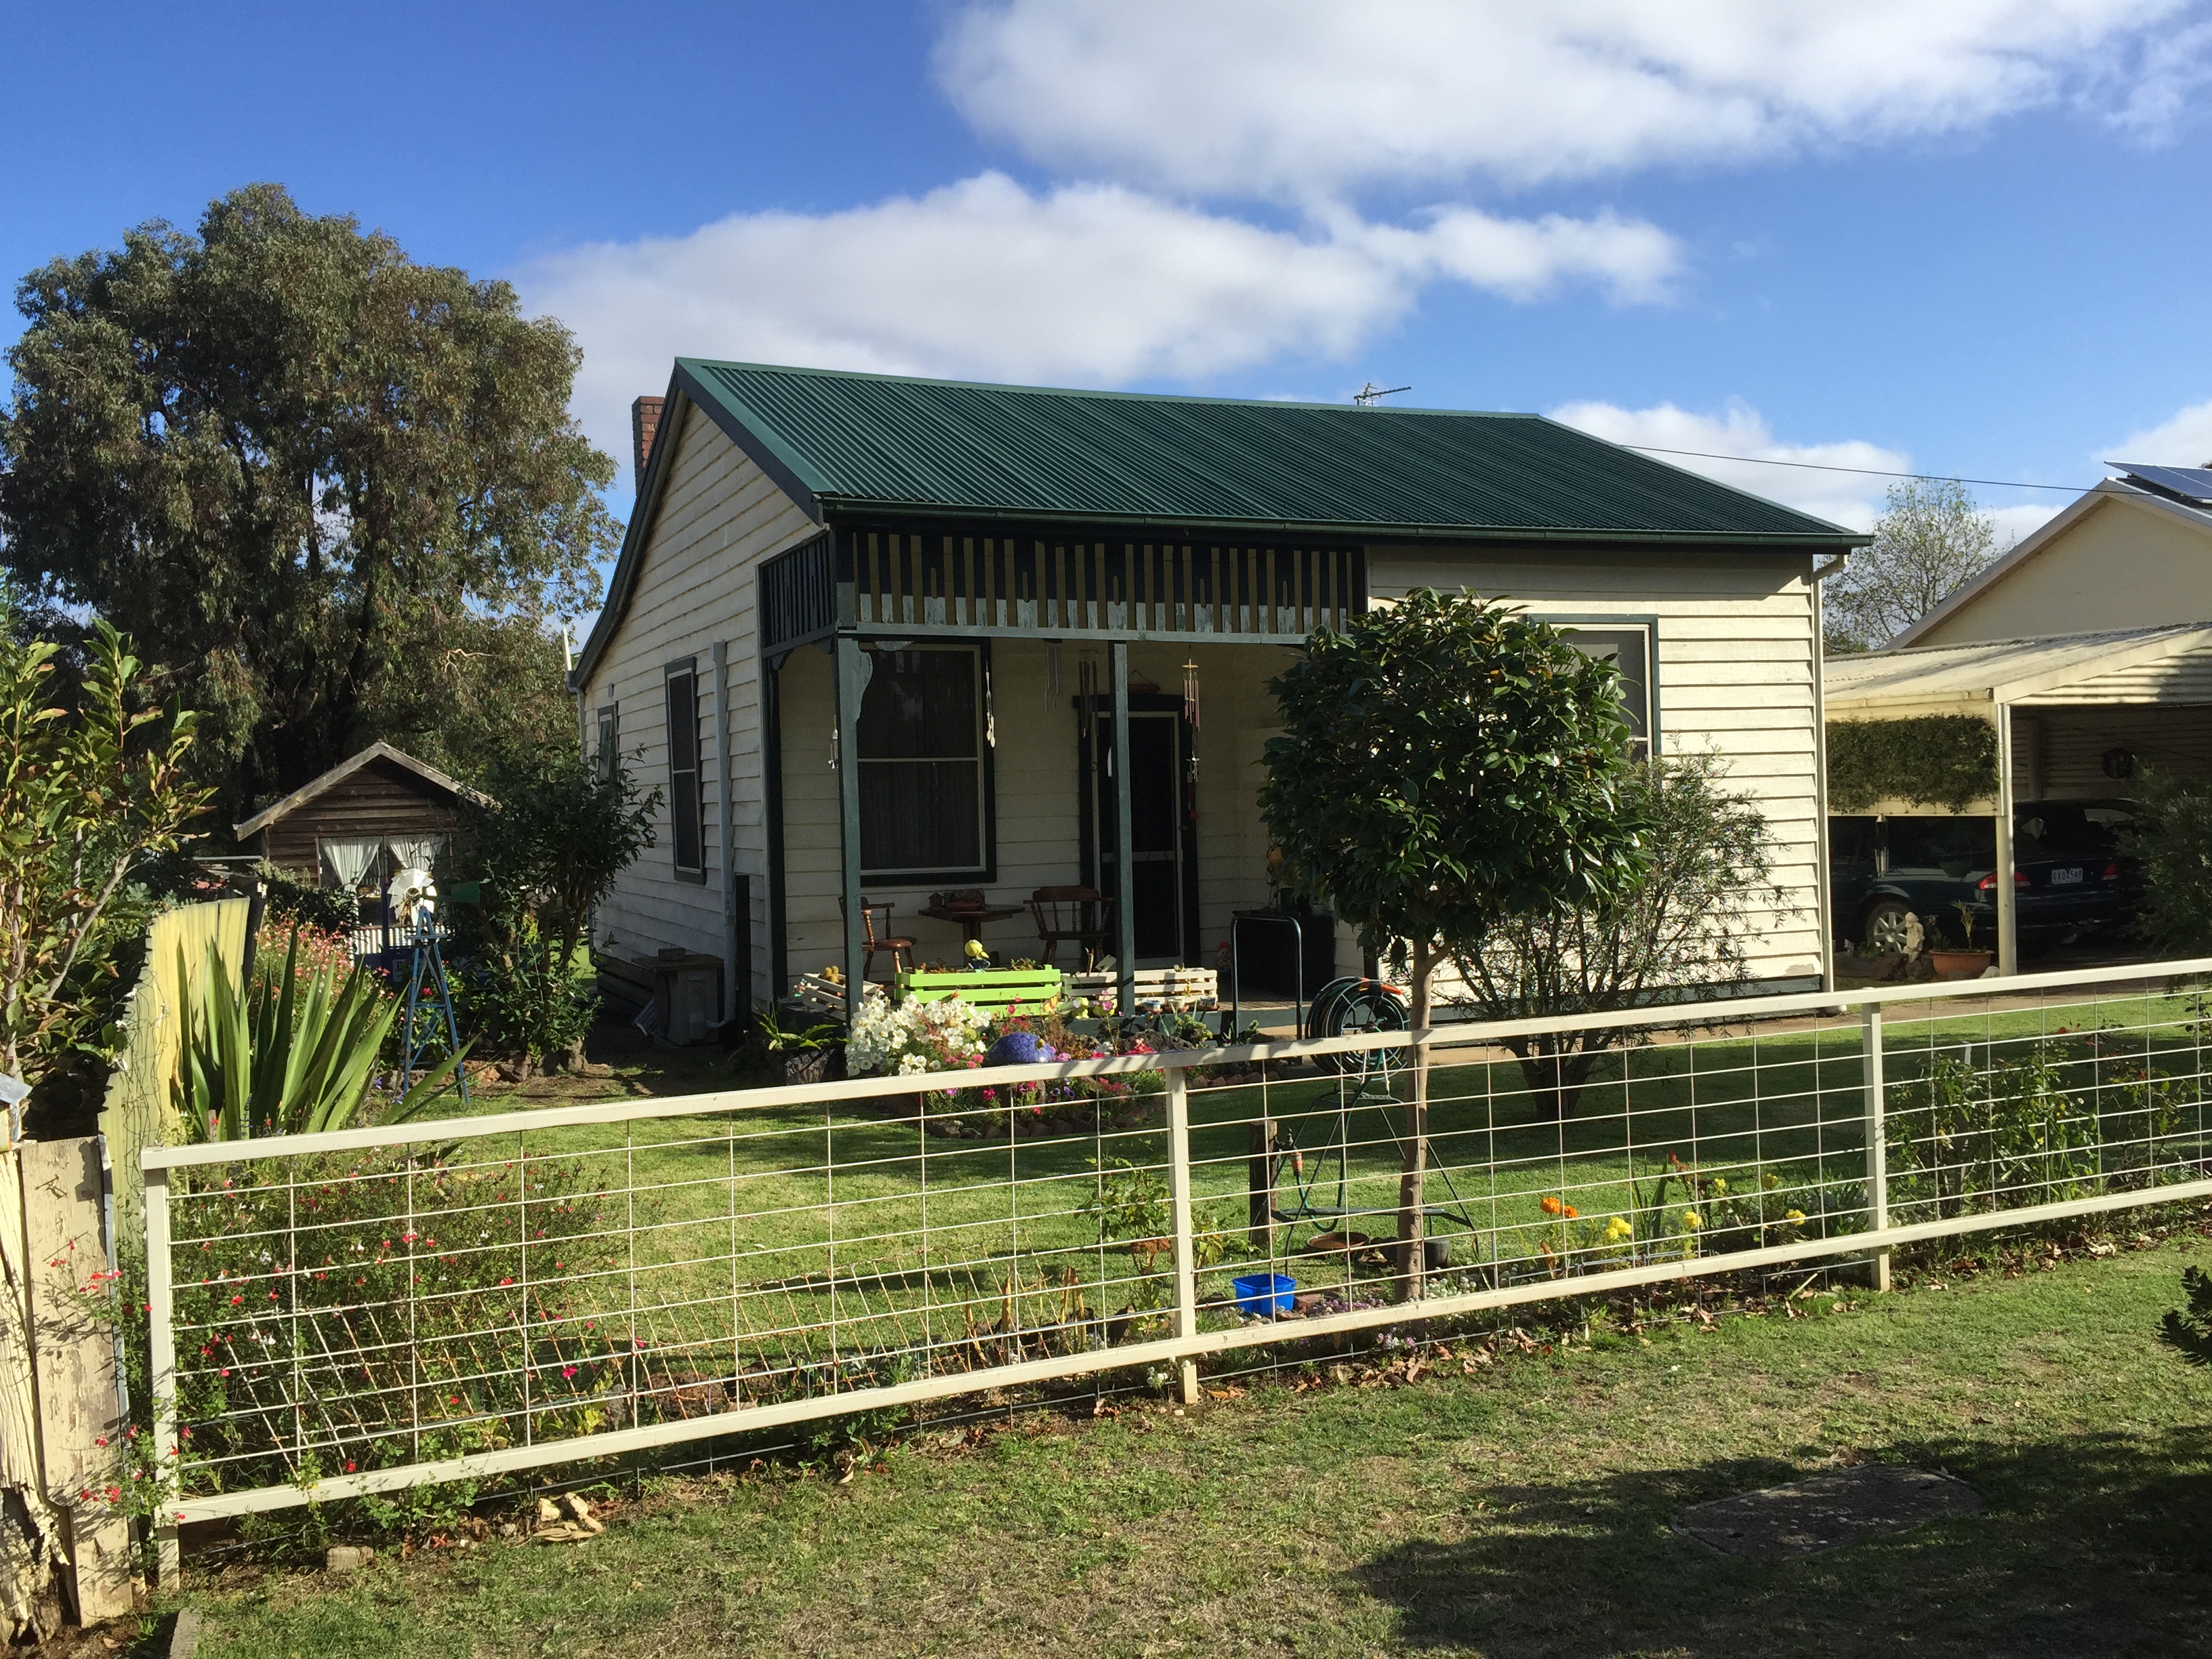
[348, 859]
[418, 851]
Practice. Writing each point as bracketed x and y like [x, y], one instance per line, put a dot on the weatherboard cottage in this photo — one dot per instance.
[871, 637]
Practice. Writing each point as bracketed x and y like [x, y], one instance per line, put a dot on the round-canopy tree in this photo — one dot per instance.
[1445, 763]
[334, 494]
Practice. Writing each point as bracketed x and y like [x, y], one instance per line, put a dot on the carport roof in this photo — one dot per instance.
[2053, 668]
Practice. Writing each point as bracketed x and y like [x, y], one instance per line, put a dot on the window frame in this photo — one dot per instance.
[607, 755]
[685, 668]
[979, 654]
[1649, 746]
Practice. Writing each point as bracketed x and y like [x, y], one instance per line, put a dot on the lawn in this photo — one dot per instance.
[811, 1249]
[1520, 1508]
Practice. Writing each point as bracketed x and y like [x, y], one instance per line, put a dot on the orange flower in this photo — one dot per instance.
[1550, 1205]
[1572, 1213]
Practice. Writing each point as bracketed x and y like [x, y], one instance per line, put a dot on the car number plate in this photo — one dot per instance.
[2065, 877]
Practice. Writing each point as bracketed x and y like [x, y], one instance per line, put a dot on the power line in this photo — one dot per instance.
[1867, 471]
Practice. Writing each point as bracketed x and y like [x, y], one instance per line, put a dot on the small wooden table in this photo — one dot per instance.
[970, 918]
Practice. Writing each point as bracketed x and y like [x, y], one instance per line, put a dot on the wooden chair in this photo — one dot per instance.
[1080, 914]
[875, 942]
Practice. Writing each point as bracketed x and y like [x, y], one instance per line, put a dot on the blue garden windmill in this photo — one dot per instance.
[428, 1030]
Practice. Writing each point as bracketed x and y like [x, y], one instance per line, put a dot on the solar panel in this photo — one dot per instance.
[2191, 483]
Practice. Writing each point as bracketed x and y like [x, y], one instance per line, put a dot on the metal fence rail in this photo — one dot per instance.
[341, 1315]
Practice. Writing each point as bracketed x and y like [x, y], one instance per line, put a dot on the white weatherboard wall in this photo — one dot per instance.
[1735, 656]
[718, 517]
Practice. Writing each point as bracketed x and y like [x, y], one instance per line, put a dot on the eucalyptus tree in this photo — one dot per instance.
[310, 475]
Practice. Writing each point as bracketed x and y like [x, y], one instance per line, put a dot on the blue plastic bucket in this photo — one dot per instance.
[1261, 1294]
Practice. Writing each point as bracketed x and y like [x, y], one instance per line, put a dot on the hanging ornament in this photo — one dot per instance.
[1086, 693]
[1190, 693]
[990, 716]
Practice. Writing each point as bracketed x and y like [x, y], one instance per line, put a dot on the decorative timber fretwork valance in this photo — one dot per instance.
[1095, 583]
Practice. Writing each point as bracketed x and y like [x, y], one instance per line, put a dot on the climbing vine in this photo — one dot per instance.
[1930, 760]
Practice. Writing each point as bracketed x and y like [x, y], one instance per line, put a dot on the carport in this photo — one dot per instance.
[2076, 716]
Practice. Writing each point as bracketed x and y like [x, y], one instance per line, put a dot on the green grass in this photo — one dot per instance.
[813, 1249]
[1520, 1511]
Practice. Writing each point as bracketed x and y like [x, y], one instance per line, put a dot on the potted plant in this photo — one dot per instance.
[801, 1055]
[1962, 961]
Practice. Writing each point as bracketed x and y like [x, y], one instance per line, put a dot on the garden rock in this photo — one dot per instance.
[347, 1558]
[1827, 1512]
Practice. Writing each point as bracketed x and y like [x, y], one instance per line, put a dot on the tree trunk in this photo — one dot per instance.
[1412, 1184]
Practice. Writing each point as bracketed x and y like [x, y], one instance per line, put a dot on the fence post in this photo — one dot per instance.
[1877, 1139]
[1186, 1250]
[161, 1345]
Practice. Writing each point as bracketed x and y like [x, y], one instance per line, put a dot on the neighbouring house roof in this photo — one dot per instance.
[878, 443]
[2134, 665]
[346, 769]
[2112, 493]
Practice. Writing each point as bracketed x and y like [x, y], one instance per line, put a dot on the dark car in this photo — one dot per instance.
[2069, 876]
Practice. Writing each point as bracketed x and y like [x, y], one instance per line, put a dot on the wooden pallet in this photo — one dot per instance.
[1182, 990]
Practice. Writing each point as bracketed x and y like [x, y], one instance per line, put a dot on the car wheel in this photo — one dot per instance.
[1883, 926]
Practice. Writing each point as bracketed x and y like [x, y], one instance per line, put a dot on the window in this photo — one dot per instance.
[922, 764]
[1629, 650]
[605, 758]
[687, 830]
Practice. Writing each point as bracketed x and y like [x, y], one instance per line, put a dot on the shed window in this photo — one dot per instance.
[603, 757]
[1629, 650]
[922, 764]
[687, 831]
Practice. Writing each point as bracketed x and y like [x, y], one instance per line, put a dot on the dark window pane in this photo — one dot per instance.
[1936, 843]
[920, 815]
[685, 825]
[919, 705]
[684, 803]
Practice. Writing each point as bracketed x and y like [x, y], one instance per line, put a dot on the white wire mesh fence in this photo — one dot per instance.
[342, 1315]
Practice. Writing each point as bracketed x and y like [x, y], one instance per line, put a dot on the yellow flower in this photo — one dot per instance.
[1691, 1218]
[1619, 1228]
[1770, 1181]
[1719, 1185]
[1793, 1215]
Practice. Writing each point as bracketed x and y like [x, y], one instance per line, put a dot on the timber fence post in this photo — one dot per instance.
[161, 1364]
[1186, 1250]
[1877, 1139]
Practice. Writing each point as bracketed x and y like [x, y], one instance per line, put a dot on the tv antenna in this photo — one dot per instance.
[1371, 394]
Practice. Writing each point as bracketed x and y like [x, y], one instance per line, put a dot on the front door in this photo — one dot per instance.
[1161, 831]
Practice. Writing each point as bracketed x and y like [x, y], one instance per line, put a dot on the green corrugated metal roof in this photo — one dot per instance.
[886, 443]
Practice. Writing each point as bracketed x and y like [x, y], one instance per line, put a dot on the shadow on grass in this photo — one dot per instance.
[2093, 1544]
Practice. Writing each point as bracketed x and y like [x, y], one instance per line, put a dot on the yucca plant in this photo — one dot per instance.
[279, 1060]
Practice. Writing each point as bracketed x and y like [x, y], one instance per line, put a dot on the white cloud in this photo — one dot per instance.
[2183, 440]
[1845, 498]
[1304, 100]
[2016, 521]
[1095, 285]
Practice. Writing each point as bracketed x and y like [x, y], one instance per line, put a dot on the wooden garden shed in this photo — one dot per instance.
[380, 812]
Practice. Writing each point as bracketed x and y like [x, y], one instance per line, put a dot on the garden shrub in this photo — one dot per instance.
[2066, 1115]
[1931, 760]
[431, 1310]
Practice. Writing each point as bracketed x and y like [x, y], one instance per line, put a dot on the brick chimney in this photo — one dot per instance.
[644, 422]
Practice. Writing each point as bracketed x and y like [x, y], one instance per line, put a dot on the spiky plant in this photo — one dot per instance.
[279, 1060]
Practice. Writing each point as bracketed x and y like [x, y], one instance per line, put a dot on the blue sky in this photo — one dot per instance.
[1967, 238]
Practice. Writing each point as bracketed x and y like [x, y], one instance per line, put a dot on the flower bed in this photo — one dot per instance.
[908, 1038]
